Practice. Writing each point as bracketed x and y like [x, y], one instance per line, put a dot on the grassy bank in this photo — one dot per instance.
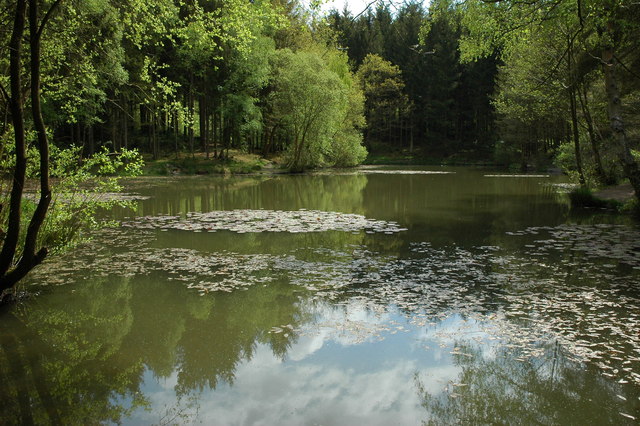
[619, 198]
[243, 163]
[198, 164]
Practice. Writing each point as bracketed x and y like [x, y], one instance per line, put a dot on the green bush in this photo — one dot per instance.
[79, 189]
[631, 207]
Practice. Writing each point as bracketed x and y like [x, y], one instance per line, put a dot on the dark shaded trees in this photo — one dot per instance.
[386, 104]
[450, 110]
[591, 41]
[26, 251]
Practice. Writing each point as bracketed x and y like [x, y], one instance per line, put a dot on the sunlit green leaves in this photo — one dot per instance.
[385, 100]
[316, 104]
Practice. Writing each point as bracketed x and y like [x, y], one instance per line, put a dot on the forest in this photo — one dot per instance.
[208, 76]
[419, 80]
[531, 85]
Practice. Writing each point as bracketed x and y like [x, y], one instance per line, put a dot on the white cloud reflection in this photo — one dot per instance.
[326, 379]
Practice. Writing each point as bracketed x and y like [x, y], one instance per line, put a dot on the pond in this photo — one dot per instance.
[375, 296]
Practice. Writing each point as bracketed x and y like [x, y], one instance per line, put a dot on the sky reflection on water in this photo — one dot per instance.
[327, 378]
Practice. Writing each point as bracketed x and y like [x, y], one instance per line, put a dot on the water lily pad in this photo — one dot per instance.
[253, 221]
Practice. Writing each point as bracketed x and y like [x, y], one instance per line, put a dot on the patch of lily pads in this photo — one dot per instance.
[245, 221]
[618, 243]
[576, 285]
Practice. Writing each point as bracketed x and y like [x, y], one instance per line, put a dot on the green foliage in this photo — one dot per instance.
[319, 107]
[81, 188]
[631, 207]
[83, 61]
[386, 103]
[565, 157]
[347, 149]
[551, 91]
[7, 155]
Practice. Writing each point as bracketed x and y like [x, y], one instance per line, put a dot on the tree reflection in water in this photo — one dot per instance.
[85, 362]
[498, 387]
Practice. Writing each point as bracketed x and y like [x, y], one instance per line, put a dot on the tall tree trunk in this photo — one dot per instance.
[149, 132]
[154, 135]
[185, 129]
[411, 135]
[202, 107]
[210, 127]
[29, 257]
[267, 140]
[192, 115]
[576, 134]
[584, 103]
[114, 129]
[12, 233]
[90, 139]
[125, 124]
[175, 132]
[215, 134]
[574, 109]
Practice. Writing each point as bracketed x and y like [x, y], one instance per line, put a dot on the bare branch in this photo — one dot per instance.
[364, 10]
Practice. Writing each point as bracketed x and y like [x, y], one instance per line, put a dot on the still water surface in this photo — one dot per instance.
[385, 296]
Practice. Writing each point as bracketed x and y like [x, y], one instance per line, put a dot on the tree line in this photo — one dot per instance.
[526, 84]
[170, 76]
[474, 80]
